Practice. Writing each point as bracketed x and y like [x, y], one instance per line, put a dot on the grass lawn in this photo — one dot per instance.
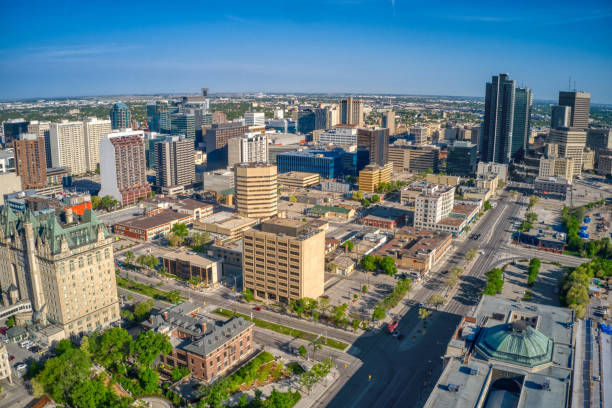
[145, 290]
[283, 329]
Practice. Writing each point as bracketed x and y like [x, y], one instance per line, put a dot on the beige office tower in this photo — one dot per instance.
[333, 116]
[60, 264]
[256, 190]
[351, 111]
[557, 167]
[252, 147]
[388, 121]
[94, 130]
[571, 144]
[284, 259]
[372, 175]
[67, 140]
[421, 134]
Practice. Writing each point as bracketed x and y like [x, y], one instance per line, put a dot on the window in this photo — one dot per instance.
[89, 259]
[98, 256]
[81, 262]
[71, 266]
[106, 253]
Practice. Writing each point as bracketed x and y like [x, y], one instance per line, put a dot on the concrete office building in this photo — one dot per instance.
[557, 167]
[123, 168]
[120, 116]
[94, 130]
[69, 275]
[496, 144]
[183, 124]
[339, 135]
[68, 146]
[388, 121]
[599, 138]
[497, 169]
[433, 204]
[560, 116]
[254, 119]
[571, 144]
[256, 190]
[283, 260]
[580, 104]
[30, 161]
[604, 162]
[216, 139]
[43, 130]
[252, 147]
[406, 157]
[372, 175]
[174, 162]
[521, 126]
[351, 111]
[376, 140]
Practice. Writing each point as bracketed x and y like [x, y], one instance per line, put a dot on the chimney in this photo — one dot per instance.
[69, 216]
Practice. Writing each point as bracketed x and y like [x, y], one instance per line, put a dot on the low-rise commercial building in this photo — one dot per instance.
[555, 187]
[152, 225]
[229, 225]
[443, 179]
[299, 179]
[191, 266]
[326, 211]
[385, 217]
[335, 187]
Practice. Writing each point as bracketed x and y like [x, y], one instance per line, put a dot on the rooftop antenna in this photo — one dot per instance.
[574, 85]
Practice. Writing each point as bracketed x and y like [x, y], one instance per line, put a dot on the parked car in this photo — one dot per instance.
[257, 309]
[11, 358]
[396, 333]
[20, 366]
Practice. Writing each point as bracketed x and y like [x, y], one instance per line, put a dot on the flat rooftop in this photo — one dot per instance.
[194, 258]
[147, 222]
[228, 220]
[464, 209]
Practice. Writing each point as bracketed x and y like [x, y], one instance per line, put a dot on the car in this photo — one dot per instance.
[11, 358]
[20, 366]
[35, 349]
[257, 309]
[396, 333]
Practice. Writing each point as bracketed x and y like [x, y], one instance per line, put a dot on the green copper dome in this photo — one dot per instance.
[515, 343]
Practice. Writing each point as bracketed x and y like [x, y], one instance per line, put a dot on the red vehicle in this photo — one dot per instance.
[392, 326]
[3, 330]
[257, 308]
[11, 358]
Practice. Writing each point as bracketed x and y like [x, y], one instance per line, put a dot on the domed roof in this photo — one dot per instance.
[515, 343]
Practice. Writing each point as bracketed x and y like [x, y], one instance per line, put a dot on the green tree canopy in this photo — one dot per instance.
[149, 345]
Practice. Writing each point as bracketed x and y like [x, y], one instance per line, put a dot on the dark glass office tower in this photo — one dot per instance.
[499, 120]
[120, 116]
[523, 99]
[580, 102]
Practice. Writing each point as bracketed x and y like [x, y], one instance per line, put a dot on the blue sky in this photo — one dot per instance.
[65, 48]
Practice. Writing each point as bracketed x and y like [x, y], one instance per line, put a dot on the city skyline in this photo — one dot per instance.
[140, 52]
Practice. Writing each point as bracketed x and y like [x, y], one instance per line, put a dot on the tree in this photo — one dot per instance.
[355, 324]
[111, 346]
[173, 240]
[142, 309]
[180, 230]
[179, 372]
[248, 295]
[435, 300]
[470, 254]
[364, 289]
[349, 246]
[423, 313]
[316, 345]
[174, 296]
[149, 379]
[358, 195]
[149, 345]
[292, 199]
[63, 372]
[11, 321]
[199, 239]
[375, 198]
[332, 267]
[533, 200]
[387, 264]
[487, 205]
[129, 257]
[324, 305]
[531, 217]
[302, 350]
[365, 202]
[89, 394]
[369, 263]
[95, 202]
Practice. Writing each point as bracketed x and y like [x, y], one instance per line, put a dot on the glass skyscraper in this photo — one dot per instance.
[496, 145]
[522, 122]
[183, 124]
[120, 116]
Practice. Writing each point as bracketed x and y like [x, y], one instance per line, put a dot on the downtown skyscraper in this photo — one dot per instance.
[496, 145]
[523, 99]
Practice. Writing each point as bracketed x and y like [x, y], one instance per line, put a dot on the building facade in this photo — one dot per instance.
[216, 139]
[462, 159]
[183, 124]
[521, 126]
[64, 267]
[30, 161]
[376, 140]
[94, 130]
[351, 111]
[174, 162]
[256, 190]
[580, 104]
[120, 116]
[284, 260]
[252, 147]
[67, 146]
[123, 168]
[372, 175]
[498, 125]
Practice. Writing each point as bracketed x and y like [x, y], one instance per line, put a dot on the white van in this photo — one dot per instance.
[25, 344]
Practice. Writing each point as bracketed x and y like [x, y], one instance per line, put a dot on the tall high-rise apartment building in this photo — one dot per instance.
[255, 119]
[284, 259]
[158, 116]
[420, 133]
[521, 126]
[580, 104]
[216, 139]
[43, 130]
[376, 140]
[560, 116]
[571, 144]
[11, 129]
[388, 121]
[120, 116]
[63, 265]
[496, 143]
[183, 124]
[256, 190]
[68, 146]
[30, 160]
[351, 111]
[123, 167]
[94, 129]
[252, 147]
[175, 162]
